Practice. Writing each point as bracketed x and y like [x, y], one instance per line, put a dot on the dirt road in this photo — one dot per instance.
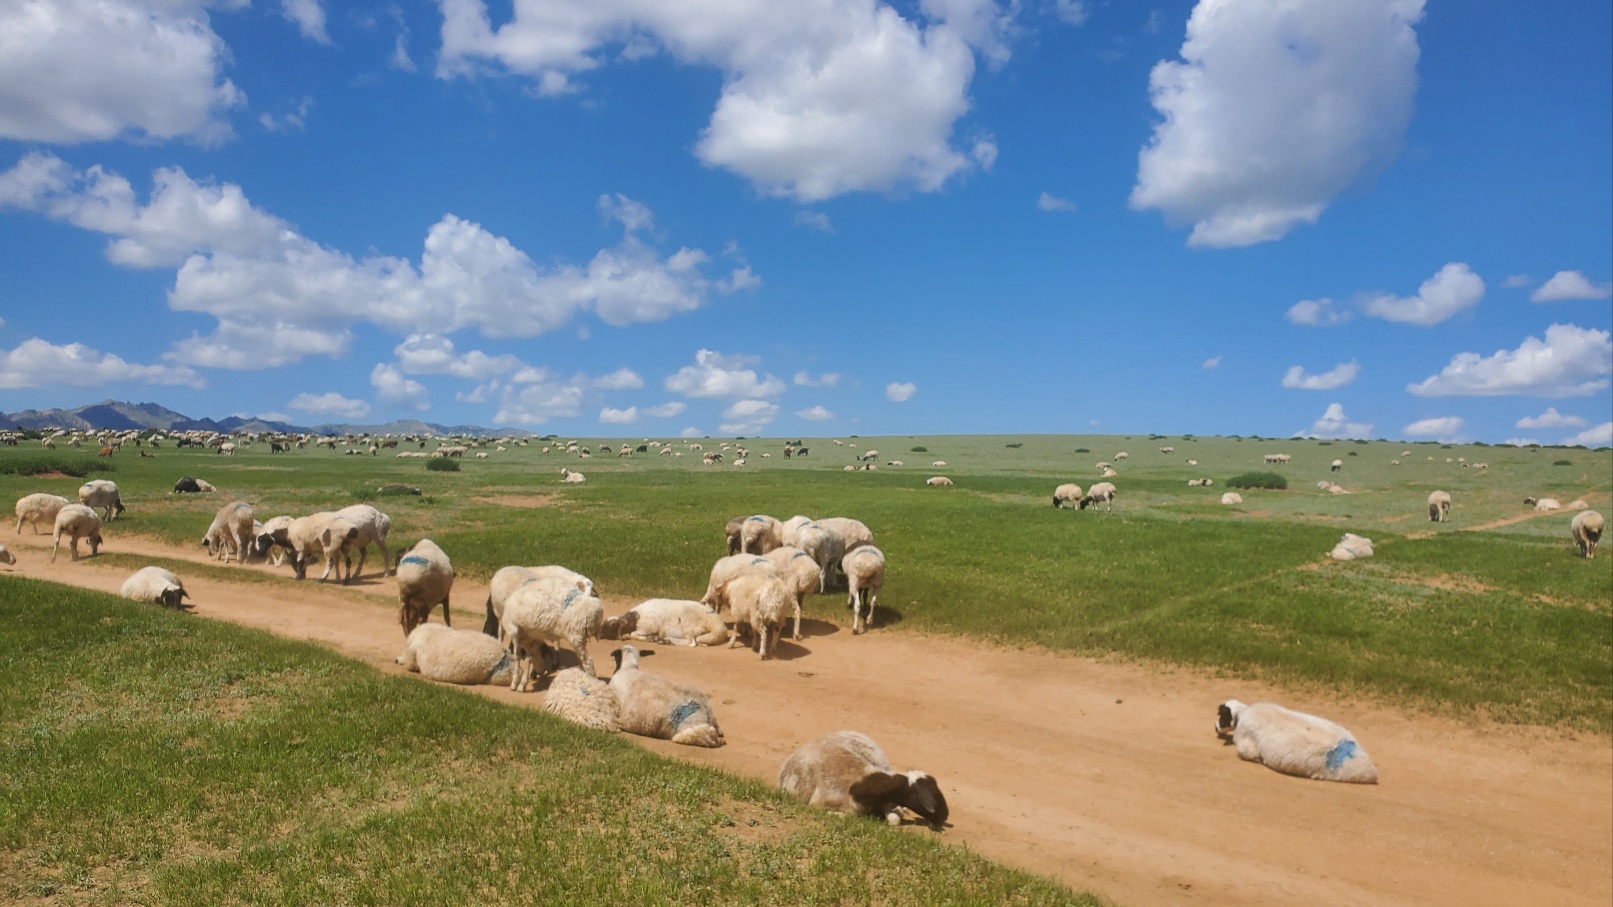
[1104, 776]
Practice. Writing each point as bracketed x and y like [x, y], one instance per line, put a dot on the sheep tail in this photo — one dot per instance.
[490, 625]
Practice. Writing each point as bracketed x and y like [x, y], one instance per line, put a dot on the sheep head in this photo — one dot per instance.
[1226, 718]
[882, 792]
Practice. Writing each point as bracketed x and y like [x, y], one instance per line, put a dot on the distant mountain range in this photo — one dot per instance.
[115, 415]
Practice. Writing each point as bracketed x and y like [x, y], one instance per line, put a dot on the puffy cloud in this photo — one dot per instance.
[95, 70]
[819, 97]
[899, 392]
[1570, 285]
[1597, 436]
[1443, 428]
[747, 417]
[666, 410]
[1571, 362]
[634, 216]
[1050, 202]
[690, 432]
[1340, 375]
[1212, 362]
[623, 379]
[1335, 424]
[38, 363]
[1275, 108]
[279, 295]
[611, 416]
[716, 375]
[433, 354]
[1317, 313]
[309, 16]
[827, 379]
[814, 414]
[1448, 292]
[538, 402]
[392, 387]
[1551, 418]
[331, 405]
[1520, 442]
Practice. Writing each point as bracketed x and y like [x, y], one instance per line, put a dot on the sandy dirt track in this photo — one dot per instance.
[1104, 776]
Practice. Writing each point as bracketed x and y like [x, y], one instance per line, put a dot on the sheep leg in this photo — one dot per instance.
[797, 636]
[446, 622]
[387, 567]
[362, 552]
[55, 548]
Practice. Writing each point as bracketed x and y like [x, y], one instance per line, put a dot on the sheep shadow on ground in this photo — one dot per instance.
[811, 627]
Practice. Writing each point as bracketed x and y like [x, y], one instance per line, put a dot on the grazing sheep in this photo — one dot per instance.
[231, 532]
[758, 603]
[1122, 456]
[823, 547]
[732, 532]
[865, 576]
[1294, 743]
[549, 611]
[726, 570]
[1232, 497]
[760, 534]
[1102, 491]
[1544, 505]
[314, 534]
[425, 578]
[441, 653]
[6, 557]
[1586, 527]
[938, 481]
[34, 509]
[671, 621]
[1167, 450]
[851, 533]
[264, 544]
[1439, 507]
[1067, 494]
[373, 527]
[581, 698]
[77, 521]
[791, 527]
[1336, 465]
[847, 772]
[102, 495]
[800, 573]
[1351, 547]
[155, 585]
[652, 706]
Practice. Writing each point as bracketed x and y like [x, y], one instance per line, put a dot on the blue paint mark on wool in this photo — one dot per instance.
[415, 559]
[1341, 752]
[755, 519]
[570, 597]
[681, 713]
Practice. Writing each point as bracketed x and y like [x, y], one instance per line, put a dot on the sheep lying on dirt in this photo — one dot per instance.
[439, 652]
[1586, 528]
[1439, 507]
[1351, 547]
[77, 521]
[652, 706]
[155, 585]
[847, 772]
[672, 621]
[1294, 743]
[582, 698]
[1066, 495]
[34, 509]
[425, 579]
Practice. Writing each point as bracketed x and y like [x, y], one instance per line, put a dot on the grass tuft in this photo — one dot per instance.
[1259, 480]
[442, 464]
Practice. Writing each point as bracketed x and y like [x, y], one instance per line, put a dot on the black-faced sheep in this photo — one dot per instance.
[865, 576]
[671, 621]
[1544, 505]
[652, 706]
[1294, 743]
[155, 585]
[440, 652]
[1439, 507]
[77, 521]
[425, 579]
[847, 772]
[1102, 492]
[231, 532]
[34, 509]
[1586, 528]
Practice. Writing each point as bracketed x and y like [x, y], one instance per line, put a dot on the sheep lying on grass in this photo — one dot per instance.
[672, 621]
[1232, 497]
[1586, 528]
[847, 772]
[1439, 507]
[550, 611]
[865, 576]
[34, 509]
[652, 706]
[1544, 505]
[425, 579]
[582, 698]
[1351, 547]
[441, 653]
[77, 521]
[1066, 495]
[1294, 743]
[155, 585]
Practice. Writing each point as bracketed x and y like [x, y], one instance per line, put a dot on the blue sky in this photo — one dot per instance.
[1380, 218]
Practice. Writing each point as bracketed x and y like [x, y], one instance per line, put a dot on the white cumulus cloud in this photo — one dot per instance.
[1571, 362]
[611, 416]
[1452, 290]
[1338, 376]
[623, 379]
[1596, 436]
[1049, 202]
[433, 354]
[1212, 362]
[1274, 109]
[330, 405]
[39, 363]
[1570, 285]
[899, 392]
[716, 375]
[814, 220]
[666, 410]
[1551, 418]
[392, 387]
[1513, 281]
[309, 17]
[747, 417]
[1335, 424]
[1317, 313]
[814, 414]
[1442, 428]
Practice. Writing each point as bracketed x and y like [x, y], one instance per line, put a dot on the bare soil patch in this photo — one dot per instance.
[1102, 775]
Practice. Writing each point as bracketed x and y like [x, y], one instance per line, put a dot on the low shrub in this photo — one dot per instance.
[1258, 480]
[442, 464]
[1016, 445]
[40, 464]
[921, 449]
[1082, 450]
[1562, 463]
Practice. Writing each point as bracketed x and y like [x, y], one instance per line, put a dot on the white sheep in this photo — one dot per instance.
[800, 573]
[1294, 743]
[823, 547]
[938, 481]
[373, 527]
[316, 533]
[1351, 547]
[851, 533]
[865, 577]
[582, 698]
[155, 585]
[847, 772]
[732, 532]
[567, 475]
[508, 579]
[1586, 528]
[1576, 504]
[1192, 462]
[102, 495]
[231, 532]
[758, 603]
[1439, 507]
[726, 570]
[1122, 456]
[1101, 492]
[77, 521]
[549, 611]
[791, 528]
[1336, 465]
[425, 579]
[34, 509]
[1195, 483]
[760, 534]
[652, 706]
[1231, 497]
[1544, 505]
[439, 652]
[672, 621]
[1066, 495]
[1108, 473]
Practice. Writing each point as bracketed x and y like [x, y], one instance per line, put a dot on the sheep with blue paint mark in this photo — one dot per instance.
[726, 570]
[760, 534]
[652, 706]
[425, 579]
[441, 653]
[1294, 743]
[757, 602]
[799, 572]
[549, 611]
[582, 698]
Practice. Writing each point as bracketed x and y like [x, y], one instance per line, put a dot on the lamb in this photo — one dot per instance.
[373, 526]
[439, 652]
[847, 772]
[155, 585]
[652, 706]
[1351, 547]
[938, 481]
[582, 698]
[1294, 743]
[34, 509]
[676, 622]
[549, 611]
[77, 521]
[726, 570]
[1586, 527]
[230, 532]
[1102, 491]
[1231, 497]
[865, 576]
[1067, 494]
[425, 578]
[799, 572]
[102, 495]
[1439, 507]
[760, 534]
[758, 602]
[1544, 505]
[1336, 465]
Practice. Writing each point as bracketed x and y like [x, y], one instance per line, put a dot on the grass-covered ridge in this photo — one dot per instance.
[155, 758]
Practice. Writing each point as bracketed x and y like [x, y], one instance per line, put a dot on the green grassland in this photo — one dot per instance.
[1503, 623]
[153, 758]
